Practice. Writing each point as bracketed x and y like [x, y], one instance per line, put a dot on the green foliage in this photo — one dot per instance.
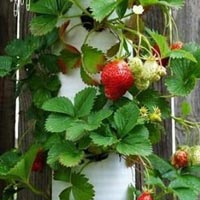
[107, 7]
[182, 81]
[161, 41]
[59, 105]
[57, 123]
[136, 143]
[80, 189]
[84, 101]
[5, 65]
[91, 126]
[172, 3]
[148, 2]
[126, 118]
[121, 8]
[64, 152]
[93, 59]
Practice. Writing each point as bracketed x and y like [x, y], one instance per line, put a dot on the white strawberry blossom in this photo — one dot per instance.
[138, 10]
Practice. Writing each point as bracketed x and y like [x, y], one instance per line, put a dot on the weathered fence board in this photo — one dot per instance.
[7, 86]
[188, 22]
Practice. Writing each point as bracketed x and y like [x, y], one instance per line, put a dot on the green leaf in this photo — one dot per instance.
[103, 139]
[101, 9]
[159, 164]
[5, 65]
[155, 181]
[50, 7]
[59, 105]
[80, 189]
[87, 78]
[121, 8]
[182, 54]
[93, 59]
[126, 118]
[76, 130]
[22, 50]
[131, 192]
[71, 156]
[148, 2]
[65, 194]
[52, 83]
[185, 108]
[136, 143]
[95, 119]
[161, 41]
[57, 123]
[185, 194]
[71, 57]
[7, 161]
[84, 101]
[40, 96]
[186, 181]
[172, 3]
[151, 99]
[66, 153]
[62, 174]
[182, 82]
[23, 167]
[42, 25]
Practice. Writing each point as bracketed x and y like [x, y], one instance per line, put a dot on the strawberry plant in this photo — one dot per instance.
[119, 110]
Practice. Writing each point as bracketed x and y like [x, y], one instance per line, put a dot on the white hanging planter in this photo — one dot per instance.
[110, 178]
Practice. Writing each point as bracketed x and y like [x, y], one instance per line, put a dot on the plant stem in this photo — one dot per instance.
[36, 191]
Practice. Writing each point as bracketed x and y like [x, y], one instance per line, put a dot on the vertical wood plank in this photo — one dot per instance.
[41, 180]
[7, 85]
[188, 22]
[154, 19]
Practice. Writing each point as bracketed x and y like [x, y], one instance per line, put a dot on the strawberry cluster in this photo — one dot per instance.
[186, 156]
[146, 72]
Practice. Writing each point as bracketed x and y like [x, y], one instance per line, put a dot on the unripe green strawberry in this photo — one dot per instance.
[136, 65]
[150, 68]
[195, 155]
[141, 84]
[180, 159]
[117, 79]
[146, 195]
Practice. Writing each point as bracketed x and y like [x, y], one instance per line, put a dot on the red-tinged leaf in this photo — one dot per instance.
[61, 65]
[70, 58]
[93, 59]
[87, 78]
[63, 29]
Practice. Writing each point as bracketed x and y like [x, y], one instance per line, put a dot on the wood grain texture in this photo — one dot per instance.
[188, 22]
[41, 180]
[7, 85]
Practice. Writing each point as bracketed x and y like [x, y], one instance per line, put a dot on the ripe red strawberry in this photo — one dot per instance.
[145, 196]
[176, 45]
[157, 53]
[39, 162]
[117, 78]
[180, 159]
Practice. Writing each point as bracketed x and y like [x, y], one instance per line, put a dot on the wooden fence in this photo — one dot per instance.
[188, 21]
